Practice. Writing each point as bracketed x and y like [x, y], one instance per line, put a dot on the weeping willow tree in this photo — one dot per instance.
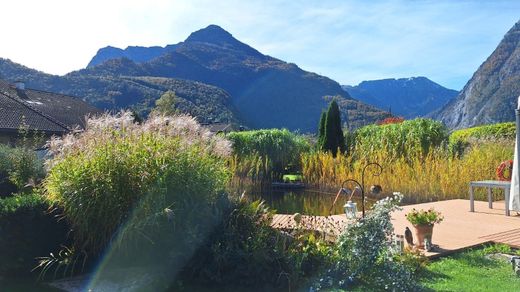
[330, 137]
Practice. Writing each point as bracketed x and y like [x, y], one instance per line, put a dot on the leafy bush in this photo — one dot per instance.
[487, 132]
[242, 250]
[460, 140]
[27, 230]
[391, 120]
[412, 138]
[141, 175]
[18, 166]
[365, 254]
[277, 149]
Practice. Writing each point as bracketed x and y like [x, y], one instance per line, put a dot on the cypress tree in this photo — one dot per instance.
[333, 138]
[321, 130]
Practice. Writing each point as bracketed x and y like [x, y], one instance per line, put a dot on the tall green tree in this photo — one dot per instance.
[165, 105]
[321, 129]
[333, 139]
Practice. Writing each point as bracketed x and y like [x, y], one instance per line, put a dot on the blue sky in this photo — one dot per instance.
[348, 41]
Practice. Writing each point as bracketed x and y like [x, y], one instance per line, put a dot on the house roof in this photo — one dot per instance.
[41, 110]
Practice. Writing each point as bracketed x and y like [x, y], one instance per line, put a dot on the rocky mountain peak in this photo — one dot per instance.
[491, 94]
[211, 34]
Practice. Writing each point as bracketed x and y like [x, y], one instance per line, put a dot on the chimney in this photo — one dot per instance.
[19, 84]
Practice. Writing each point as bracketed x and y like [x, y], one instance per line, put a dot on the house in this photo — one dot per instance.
[45, 112]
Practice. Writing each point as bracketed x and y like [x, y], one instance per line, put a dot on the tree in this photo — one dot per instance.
[333, 138]
[321, 129]
[165, 105]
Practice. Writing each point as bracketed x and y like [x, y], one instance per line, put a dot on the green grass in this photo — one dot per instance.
[292, 177]
[470, 271]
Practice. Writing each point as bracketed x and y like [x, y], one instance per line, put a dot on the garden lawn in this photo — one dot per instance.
[470, 271]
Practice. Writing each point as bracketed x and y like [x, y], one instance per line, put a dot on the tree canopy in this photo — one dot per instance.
[165, 105]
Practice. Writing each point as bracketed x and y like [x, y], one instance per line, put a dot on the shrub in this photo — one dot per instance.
[412, 138]
[460, 140]
[487, 132]
[391, 120]
[141, 175]
[365, 254]
[19, 166]
[27, 230]
[242, 250]
[276, 149]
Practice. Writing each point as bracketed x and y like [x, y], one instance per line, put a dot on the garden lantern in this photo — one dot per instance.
[350, 209]
[375, 189]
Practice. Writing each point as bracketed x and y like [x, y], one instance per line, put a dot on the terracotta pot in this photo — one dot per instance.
[422, 232]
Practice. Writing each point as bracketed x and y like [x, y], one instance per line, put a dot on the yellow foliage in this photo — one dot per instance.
[437, 176]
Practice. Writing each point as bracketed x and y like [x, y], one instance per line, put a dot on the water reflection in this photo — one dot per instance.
[308, 202]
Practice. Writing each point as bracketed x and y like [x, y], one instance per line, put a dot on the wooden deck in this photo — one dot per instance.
[459, 230]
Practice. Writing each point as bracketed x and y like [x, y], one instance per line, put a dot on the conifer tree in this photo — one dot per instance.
[321, 130]
[333, 139]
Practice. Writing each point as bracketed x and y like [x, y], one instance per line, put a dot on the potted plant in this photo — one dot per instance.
[423, 221]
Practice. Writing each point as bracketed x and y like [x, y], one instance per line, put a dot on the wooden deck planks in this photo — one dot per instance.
[460, 229]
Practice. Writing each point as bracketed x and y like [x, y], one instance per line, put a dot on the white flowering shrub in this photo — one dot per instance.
[365, 254]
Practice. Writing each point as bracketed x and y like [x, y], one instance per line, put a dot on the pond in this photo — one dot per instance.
[305, 201]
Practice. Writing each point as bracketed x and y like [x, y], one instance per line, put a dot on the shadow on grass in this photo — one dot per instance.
[440, 269]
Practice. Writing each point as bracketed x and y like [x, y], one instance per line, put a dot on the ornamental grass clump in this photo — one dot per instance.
[263, 155]
[118, 180]
[424, 217]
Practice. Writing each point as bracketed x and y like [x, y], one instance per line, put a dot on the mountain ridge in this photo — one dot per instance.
[408, 97]
[268, 92]
[491, 94]
[264, 92]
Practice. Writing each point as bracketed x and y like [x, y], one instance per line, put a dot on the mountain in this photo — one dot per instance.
[134, 53]
[207, 103]
[218, 78]
[406, 97]
[265, 91]
[490, 96]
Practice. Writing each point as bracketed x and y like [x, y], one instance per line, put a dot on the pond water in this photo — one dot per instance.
[305, 201]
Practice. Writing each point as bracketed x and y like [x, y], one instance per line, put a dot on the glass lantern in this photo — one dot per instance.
[350, 209]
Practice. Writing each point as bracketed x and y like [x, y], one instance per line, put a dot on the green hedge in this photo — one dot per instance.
[460, 140]
[27, 231]
[281, 147]
[410, 138]
[487, 132]
[18, 166]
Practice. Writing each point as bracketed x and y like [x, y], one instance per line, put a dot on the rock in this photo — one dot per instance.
[491, 94]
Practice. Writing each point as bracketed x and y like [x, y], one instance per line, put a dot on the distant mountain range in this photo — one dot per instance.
[134, 53]
[406, 97]
[490, 96]
[208, 103]
[230, 81]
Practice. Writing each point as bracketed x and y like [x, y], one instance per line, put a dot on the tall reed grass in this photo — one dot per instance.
[436, 176]
[264, 155]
